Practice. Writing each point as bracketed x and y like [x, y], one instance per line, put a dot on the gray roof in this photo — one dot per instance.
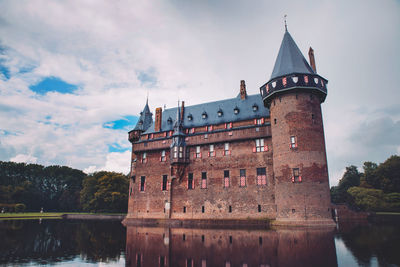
[227, 106]
[145, 119]
[290, 59]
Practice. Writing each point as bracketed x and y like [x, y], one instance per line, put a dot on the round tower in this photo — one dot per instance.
[294, 95]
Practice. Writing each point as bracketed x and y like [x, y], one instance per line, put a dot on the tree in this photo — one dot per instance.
[350, 178]
[105, 192]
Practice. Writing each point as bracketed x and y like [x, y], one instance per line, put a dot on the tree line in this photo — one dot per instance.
[60, 188]
[377, 188]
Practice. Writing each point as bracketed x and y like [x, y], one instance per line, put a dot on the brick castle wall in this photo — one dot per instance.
[299, 115]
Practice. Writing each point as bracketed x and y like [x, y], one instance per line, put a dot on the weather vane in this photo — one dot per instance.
[285, 22]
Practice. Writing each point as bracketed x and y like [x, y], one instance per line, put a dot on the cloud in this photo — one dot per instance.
[118, 162]
[117, 52]
[24, 158]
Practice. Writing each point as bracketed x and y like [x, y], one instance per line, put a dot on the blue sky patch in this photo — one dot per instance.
[127, 123]
[53, 84]
[4, 72]
[116, 148]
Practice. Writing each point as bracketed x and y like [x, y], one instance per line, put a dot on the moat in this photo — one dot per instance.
[109, 243]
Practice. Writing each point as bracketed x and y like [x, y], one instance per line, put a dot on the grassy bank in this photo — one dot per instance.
[48, 215]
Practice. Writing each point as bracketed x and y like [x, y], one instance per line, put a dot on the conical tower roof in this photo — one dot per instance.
[145, 119]
[290, 59]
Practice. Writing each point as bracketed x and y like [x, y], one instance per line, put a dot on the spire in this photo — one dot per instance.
[145, 119]
[290, 59]
[178, 127]
[285, 23]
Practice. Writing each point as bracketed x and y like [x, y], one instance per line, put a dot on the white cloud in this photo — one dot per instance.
[21, 158]
[197, 51]
[118, 162]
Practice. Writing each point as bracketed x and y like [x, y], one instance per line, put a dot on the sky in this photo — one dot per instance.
[74, 75]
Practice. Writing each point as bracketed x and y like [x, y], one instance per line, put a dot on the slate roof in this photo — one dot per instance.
[290, 59]
[145, 119]
[227, 106]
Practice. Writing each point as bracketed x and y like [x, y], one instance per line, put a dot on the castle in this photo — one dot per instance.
[248, 157]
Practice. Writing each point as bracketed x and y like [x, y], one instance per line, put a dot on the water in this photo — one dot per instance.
[108, 243]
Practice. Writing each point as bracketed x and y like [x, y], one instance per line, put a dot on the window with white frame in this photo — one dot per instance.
[144, 157]
[260, 145]
[175, 152]
[212, 151]
[293, 142]
[198, 152]
[226, 149]
[180, 152]
[163, 158]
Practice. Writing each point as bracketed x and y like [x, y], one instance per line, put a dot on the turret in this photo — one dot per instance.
[294, 94]
[144, 122]
[178, 153]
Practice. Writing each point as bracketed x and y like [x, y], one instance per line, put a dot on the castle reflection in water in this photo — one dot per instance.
[221, 247]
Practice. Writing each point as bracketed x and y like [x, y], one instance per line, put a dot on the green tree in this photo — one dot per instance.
[350, 178]
[105, 192]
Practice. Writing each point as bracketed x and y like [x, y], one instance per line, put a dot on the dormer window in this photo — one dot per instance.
[220, 113]
[190, 117]
[140, 122]
[255, 107]
[204, 115]
[236, 110]
[169, 120]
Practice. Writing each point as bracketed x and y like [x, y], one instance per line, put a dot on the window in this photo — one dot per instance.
[260, 147]
[203, 180]
[142, 183]
[139, 260]
[226, 149]
[191, 130]
[190, 184]
[259, 208]
[209, 128]
[163, 158]
[296, 175]
[164, 186]
[189, 262]
[184, 209]
[226, 178]
[163, 261]
[242, 178]
[181, 152]
[261, 176]
[212, 151]
[175, 152]
[202, 211]
[228, 125]
[259, 121]
[198, 153]
[274, 119]
[144, 157]
[236, 110]
[293, 142]
[313, 118]
[230, 209]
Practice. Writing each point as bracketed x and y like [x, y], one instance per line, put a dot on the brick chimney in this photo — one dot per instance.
[312, 59]
[182, 109]
[243, 93]
[157, 124]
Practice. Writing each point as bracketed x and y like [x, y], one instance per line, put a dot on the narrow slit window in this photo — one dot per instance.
[164, 183]
[230, 209]
[144, 157]
[142, 183]
[190, 181]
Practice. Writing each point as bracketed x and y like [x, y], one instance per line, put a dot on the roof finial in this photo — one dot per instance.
[285, 22]
[147, 99]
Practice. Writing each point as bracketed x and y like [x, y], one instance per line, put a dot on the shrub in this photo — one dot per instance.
[20, 207]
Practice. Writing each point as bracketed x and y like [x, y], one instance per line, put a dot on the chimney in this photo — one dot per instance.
[182, 109]
[312, 59]
[157, 124]
[243, 93]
